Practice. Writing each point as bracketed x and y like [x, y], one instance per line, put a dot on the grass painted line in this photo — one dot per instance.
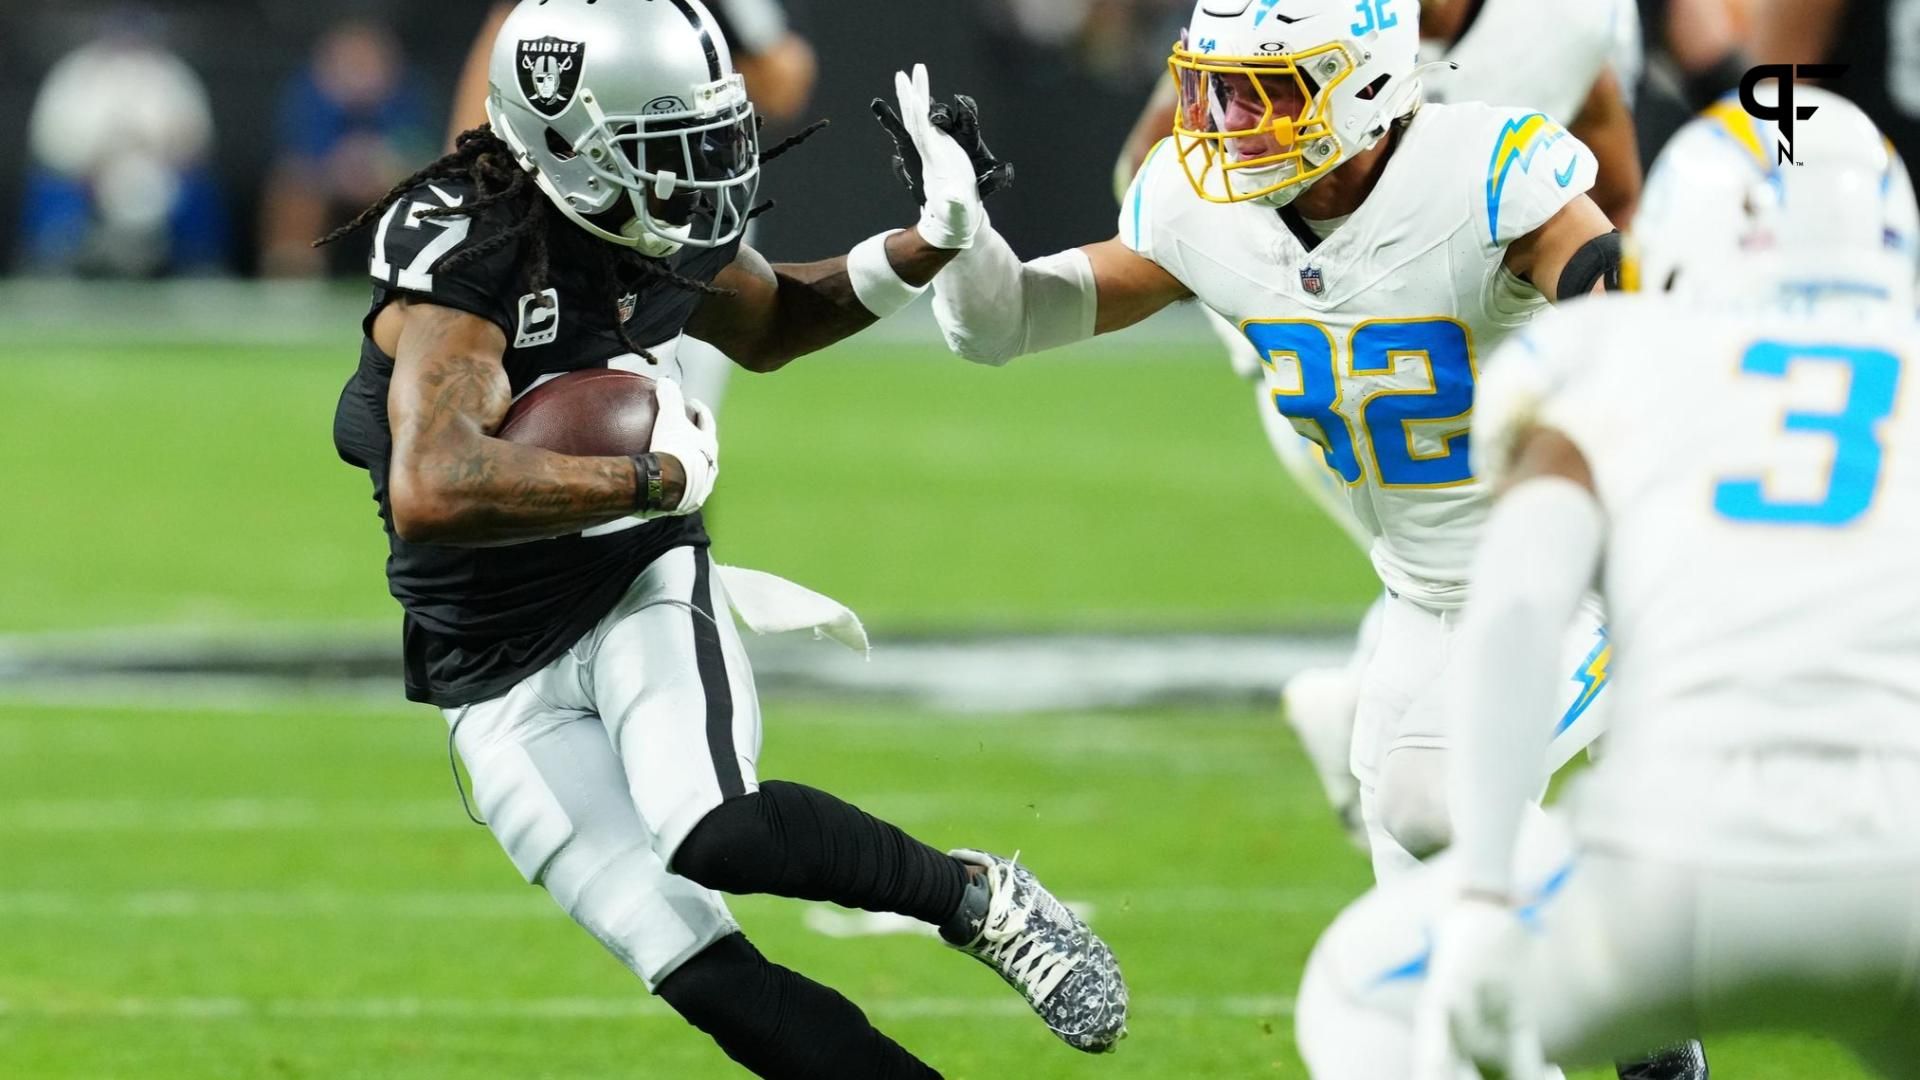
[384, 1010]
[244, 814]
[509, 904]
[981, 674]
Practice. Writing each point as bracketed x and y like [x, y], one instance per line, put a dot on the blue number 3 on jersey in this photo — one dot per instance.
[1855, 475]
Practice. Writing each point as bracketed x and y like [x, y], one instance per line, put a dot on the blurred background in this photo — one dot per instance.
[229, 849]
[203, 137]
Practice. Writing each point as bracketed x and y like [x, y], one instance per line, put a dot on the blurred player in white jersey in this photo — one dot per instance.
[1372, 249]
[1578, 60]
[1736, 458]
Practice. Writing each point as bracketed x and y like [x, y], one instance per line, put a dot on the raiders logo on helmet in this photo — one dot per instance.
[550, 73]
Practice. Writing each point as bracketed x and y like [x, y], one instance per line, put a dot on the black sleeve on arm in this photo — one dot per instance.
[1597, 260]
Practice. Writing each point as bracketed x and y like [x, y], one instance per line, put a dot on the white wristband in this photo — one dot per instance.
[874, 280]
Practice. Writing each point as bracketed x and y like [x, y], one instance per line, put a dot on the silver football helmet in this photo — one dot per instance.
[630, 117]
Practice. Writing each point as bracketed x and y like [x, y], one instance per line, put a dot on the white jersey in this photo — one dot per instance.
[1760, 473]
[1539, 54]
[1372, 340]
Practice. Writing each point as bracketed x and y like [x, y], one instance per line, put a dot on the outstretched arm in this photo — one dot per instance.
[773, 314]
[780, 312]
[992, 307]
[450, 481]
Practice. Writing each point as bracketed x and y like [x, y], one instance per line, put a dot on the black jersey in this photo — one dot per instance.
[478, 620]
[1879, 41]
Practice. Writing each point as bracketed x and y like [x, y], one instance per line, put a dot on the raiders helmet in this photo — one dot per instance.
[631, 118]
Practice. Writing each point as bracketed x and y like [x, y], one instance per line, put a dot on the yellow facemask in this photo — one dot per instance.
[1291, 96]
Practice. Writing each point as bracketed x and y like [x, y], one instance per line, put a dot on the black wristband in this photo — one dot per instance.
[649, 488]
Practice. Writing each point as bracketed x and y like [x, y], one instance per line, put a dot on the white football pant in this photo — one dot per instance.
[1400, 727]
[591, 771]
[1773, 889]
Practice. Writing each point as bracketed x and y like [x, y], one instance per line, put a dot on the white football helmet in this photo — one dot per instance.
[631, 118]
[1726, 216]
[1274, 94]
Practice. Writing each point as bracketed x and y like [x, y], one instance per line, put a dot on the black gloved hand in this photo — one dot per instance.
[961, 120]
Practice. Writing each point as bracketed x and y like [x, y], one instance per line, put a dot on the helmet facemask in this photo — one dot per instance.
[659, 180]
[1258, 128]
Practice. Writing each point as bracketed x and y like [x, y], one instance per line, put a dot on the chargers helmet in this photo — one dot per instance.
[630, 117]
[1275, 94]
[1728, 215]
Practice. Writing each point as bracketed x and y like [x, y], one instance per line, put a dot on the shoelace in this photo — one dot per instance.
[1039, 969]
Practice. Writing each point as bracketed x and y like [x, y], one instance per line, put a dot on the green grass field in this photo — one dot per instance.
[277, 887]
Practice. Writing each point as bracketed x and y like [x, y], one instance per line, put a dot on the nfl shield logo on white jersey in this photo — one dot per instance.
[1312, 280]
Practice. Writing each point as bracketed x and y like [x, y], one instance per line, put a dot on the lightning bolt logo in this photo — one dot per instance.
[1592, 677]
[1266, 9]
[1519, 143]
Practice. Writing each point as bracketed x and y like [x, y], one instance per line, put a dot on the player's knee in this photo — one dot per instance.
[718, 989]
[1413, 800]
[732, 848]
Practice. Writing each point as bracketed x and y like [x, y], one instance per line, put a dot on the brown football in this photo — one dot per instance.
[600, 412]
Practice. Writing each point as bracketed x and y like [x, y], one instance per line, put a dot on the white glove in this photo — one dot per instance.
[1473, 1012]
[687, 431]
[953, 211]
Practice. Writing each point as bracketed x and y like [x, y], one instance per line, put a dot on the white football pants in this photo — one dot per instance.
[591, 771]
[1400, 727]
[1766, 889]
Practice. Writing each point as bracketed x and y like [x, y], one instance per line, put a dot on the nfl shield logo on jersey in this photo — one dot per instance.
[1312, 280]
[627, 305]
[550, 73]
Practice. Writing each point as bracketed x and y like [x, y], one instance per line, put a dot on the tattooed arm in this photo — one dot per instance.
[776, 314]
[450, 481]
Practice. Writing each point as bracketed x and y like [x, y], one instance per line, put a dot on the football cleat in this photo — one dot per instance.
[1688, 1061]
[1319, 704]
[1042, 949]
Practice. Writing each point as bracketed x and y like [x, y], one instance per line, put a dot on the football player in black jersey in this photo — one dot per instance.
[563, 611]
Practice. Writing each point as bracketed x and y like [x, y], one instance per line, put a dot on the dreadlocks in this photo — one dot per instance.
[485, 159]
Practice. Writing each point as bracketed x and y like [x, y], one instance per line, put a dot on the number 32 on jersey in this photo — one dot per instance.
[1393, 417]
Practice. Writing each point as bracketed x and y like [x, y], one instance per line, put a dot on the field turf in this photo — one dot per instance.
[208, 887]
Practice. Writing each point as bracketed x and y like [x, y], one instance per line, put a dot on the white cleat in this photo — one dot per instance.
[1319, 705]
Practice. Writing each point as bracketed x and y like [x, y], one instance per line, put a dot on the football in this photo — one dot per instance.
[600, 412]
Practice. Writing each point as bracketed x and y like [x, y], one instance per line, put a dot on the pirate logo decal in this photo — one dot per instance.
[550, 73]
